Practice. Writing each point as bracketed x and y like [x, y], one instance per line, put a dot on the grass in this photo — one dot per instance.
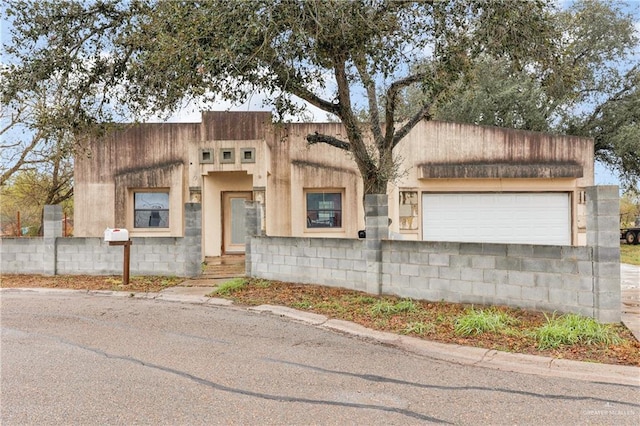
[386, 307]
[630, 254]
[418, 328]
[228, 287]
[475, 322]
[572, 329]
[144, 282]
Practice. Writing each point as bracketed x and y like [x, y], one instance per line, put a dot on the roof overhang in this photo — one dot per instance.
[499, 170]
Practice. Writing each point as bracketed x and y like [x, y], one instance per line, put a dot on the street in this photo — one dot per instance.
[72, 358]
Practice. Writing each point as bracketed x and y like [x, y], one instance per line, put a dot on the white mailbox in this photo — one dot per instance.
[116, 234]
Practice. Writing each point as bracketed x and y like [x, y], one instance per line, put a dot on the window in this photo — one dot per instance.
[227, 156]
[151, 210]
[324, 209]
[408, 210]
[248, 155]
[206, 156]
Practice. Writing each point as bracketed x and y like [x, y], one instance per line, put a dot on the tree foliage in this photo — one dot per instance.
[630, 209]
[26, 194]
[339, 56]
[588, 86]
[36, 165]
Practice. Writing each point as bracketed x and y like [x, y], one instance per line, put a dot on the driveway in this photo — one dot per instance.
[630, 295]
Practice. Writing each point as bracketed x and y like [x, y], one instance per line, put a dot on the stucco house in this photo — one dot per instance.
[458, 182]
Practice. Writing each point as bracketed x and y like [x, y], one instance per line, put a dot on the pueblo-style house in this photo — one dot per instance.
[458, 182]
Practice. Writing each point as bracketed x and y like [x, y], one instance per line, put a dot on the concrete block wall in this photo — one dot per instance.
[149, 256]
[22, 255]
[52, 254]
[328, 261]
[550, 278]
[376, 213]
[52, 230]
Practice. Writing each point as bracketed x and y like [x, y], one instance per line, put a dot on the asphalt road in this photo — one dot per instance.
[80, 359]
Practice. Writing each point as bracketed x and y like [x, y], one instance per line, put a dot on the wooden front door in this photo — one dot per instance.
[233, 226]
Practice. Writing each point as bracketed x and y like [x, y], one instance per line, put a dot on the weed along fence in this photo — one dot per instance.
[53, 254]
[584, 280]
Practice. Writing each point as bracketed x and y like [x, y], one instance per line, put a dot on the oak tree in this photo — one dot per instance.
[343, 57]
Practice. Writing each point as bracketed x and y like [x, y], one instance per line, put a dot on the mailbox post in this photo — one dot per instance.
[120, 237]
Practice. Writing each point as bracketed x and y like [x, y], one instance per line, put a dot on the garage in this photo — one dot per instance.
[517, 218]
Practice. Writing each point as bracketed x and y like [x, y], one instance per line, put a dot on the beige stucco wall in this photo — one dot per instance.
[169, 156]
[93, 211]
[142, 156]
[449, 143]
[315, 167]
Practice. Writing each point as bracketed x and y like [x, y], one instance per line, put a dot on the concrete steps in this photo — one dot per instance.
[229, 266]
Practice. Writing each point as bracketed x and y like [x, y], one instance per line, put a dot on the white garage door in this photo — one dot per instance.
[527, 218]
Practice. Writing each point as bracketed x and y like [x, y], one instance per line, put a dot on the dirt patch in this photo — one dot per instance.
[89, 282]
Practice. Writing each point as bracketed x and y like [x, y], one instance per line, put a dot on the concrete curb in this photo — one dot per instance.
[462, 355]
[283, 311]
[465, 355]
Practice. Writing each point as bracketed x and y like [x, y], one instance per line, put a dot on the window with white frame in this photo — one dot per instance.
[324, 208]
[151, 209]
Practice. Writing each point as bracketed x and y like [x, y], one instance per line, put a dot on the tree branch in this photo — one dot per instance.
[292, 86]
[423, 114]
[390, 108]
[615, 98]
[369, 84]
[329, 140]
[22, 160]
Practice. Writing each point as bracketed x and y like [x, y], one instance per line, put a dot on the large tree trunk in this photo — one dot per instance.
[376, 177]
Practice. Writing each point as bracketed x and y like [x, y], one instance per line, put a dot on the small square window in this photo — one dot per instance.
[324, 209]
[248, 155]
[151, 209]
[227, 155]
[206, 156]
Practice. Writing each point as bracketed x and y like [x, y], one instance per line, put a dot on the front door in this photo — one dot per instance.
[233, 226]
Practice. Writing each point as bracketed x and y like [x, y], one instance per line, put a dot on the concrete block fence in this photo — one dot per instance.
[52, 254]
[550, 278]
[583, 280]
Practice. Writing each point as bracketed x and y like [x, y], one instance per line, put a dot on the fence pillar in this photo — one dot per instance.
[52, 229]
[376, 211]
[603, 237]
[253, 226]
[192, 241]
